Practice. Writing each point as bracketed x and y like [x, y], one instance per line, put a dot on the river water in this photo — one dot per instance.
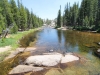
[61, 41]
[66, 41]
[82, 43]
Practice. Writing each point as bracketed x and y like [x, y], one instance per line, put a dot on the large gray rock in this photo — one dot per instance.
[24, 68]
[44, 60]
[69, 58]
[14, 53]
[50, 59]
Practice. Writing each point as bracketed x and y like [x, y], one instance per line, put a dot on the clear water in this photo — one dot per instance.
[71, 41]
[81, 43]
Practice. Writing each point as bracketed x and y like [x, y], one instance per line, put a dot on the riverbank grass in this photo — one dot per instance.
[12, 40]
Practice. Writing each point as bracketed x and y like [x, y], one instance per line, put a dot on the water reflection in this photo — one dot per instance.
[62, 41]
[28, 39]
[70, 41]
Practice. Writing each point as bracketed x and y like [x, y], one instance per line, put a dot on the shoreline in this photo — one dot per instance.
[14, 44]
[69, 28]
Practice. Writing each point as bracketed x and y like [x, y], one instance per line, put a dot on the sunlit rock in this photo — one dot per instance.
[51, 50]
[58, 28]
[98, 50]
[64, 29]
[6, 48]
[24, 68]
[10, 56]
[44, 60]
[18, 50]
[30, 49]
[14, 53]
[51, 59]
[69, 58]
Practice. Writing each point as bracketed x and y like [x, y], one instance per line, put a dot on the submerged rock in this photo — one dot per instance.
[44, 60]
[70, 72]
[24, 68]
[54, 72]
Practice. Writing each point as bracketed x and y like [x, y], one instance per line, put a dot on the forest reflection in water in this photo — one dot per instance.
[82, 43]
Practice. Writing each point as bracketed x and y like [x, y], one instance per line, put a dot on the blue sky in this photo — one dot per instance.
[47, 8]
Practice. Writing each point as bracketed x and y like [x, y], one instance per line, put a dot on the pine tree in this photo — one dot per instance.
[29, 20]
[14, 29]
[59, 18]
[67, 14]
[17, 17]
[23, 18]
[2, 23]
[86, 22]
[6, 11]
[14, 11]
[87, 15]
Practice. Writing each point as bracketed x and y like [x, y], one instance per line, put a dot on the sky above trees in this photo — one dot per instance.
[47, 8]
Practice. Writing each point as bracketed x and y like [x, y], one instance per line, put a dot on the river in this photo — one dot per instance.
[61, 41]
[82, 43]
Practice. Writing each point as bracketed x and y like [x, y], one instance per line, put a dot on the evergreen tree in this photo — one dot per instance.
[17, 17]
[59, 18]
[29, 20]
[6, 11]
[2, 23]
[14, 11]
[23, 18]
[86, 16]
[14, 29]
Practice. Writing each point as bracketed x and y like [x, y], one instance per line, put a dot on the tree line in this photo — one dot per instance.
[83, 17]
[17, 17]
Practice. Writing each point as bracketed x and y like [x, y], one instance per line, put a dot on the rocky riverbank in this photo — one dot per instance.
[43, 64]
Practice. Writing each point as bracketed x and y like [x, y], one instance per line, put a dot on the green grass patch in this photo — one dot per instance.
[13, 42]
[13, 38]
[7, 42]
